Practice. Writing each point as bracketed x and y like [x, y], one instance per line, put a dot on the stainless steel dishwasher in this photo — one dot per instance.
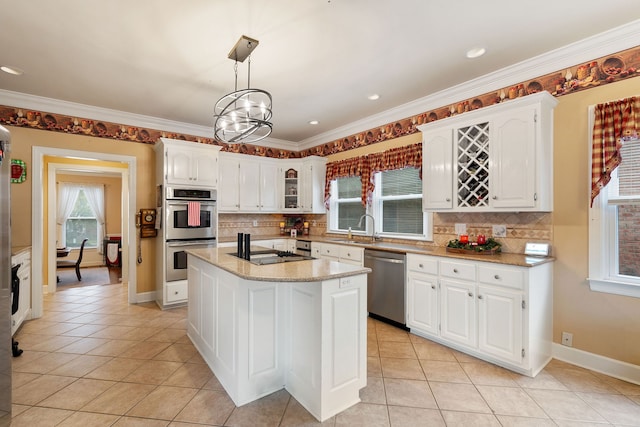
[385, 285]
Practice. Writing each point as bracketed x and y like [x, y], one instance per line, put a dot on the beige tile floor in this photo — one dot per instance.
[94, 360]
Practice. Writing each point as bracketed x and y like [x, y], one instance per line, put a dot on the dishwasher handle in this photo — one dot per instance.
[389, 260]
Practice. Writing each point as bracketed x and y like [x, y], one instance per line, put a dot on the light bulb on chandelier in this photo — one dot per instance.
[243, 115]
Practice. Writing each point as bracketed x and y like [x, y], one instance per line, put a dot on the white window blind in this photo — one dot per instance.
[624, 187]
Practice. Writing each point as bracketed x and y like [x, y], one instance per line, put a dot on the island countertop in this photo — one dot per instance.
[297, 271]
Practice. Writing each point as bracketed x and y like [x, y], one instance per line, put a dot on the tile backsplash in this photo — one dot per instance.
[521, 227]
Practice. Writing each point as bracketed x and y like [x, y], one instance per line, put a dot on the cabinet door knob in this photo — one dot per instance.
[497, 277]
[433, 286]
[420, 265]
[479, 296]
[455, 270]
[448, 199]
[471, 294]
[495, 197]
[175, 293]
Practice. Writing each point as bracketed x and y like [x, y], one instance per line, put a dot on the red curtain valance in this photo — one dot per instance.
[614, 122]
[366, 166]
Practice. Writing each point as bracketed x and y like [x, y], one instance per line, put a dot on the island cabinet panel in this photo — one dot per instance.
[258, 337]
[328, 345]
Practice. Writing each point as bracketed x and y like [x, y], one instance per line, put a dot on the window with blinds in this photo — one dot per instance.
[347, 205]
[396, 205]
[400, 201]
[624, 186]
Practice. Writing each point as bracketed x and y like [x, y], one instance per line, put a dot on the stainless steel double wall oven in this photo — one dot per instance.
[180, 233]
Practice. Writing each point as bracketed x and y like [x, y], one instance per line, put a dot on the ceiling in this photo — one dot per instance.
[319, 59]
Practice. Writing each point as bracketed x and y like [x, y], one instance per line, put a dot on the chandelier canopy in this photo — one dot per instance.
[243, 115]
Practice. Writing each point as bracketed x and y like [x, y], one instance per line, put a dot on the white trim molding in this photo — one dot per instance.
[604, 365]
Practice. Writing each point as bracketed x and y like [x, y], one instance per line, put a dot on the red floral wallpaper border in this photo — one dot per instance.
[604, 70]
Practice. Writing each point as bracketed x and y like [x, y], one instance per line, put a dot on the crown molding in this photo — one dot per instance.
[50, 105]
[611, 41]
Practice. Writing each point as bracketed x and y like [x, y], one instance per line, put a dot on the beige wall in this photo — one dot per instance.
[24, 139]
[112, 207]
[604, 324]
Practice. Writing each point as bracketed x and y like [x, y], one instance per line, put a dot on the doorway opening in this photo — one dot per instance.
[43, 222]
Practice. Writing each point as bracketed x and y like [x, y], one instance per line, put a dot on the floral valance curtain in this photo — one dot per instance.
[614, 122]
[366, 167]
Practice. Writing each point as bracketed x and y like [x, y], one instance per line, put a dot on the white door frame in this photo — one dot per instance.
[37, 220]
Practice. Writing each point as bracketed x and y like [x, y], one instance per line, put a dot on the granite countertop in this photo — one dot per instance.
[315, 270]
[420, 249]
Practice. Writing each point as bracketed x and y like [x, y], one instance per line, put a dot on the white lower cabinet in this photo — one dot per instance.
[496, 312]
[422, 295]
[500, 323]
[458, 317]
[22, 258]
[342, 253]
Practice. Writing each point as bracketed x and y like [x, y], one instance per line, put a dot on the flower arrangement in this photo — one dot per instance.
[489, 247]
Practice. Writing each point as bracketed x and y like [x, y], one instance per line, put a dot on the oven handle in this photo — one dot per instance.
[186, 202]
[180, 244]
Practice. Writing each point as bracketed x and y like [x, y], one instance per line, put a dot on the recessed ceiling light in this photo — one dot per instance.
[313, 122]
[476, 52]
[12, 70]
[373, 97]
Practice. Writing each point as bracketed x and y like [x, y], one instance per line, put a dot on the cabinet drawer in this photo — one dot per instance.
[330, 250]
[458, 270]
[176, 291]
[351, 253]
[501, 276]
[422, 264]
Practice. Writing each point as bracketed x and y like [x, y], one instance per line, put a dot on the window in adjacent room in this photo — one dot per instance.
[614, 229]
[82, 223]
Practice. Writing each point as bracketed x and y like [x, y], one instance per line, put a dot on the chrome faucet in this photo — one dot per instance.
[373, 223]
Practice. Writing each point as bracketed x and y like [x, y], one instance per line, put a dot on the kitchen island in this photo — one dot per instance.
[300, 325]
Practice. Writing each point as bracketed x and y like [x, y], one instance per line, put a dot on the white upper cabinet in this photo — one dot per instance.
[437, 172]
[498, 158]
[313, 178]
[190, 163]
[248, 184]
[257, 184]
[291, 177]
[229, 194]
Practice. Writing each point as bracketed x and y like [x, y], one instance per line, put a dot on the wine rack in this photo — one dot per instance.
[473, 165]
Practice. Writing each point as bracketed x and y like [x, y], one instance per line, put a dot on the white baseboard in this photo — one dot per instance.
[145, 297]
[614, 368]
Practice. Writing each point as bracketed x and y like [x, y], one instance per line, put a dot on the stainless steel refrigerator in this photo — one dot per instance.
[5, 280]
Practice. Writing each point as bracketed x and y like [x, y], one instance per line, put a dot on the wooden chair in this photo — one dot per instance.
[73, 264]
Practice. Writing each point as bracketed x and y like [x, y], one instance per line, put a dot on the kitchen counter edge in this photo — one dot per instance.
[500, 258]
[316, 270]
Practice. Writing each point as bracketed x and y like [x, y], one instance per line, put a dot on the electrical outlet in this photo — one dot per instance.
[461, 229]
[567, 339]
[255, 222]
[499, 231]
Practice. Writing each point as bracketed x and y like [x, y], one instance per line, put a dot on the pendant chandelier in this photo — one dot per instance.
[243, 115]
